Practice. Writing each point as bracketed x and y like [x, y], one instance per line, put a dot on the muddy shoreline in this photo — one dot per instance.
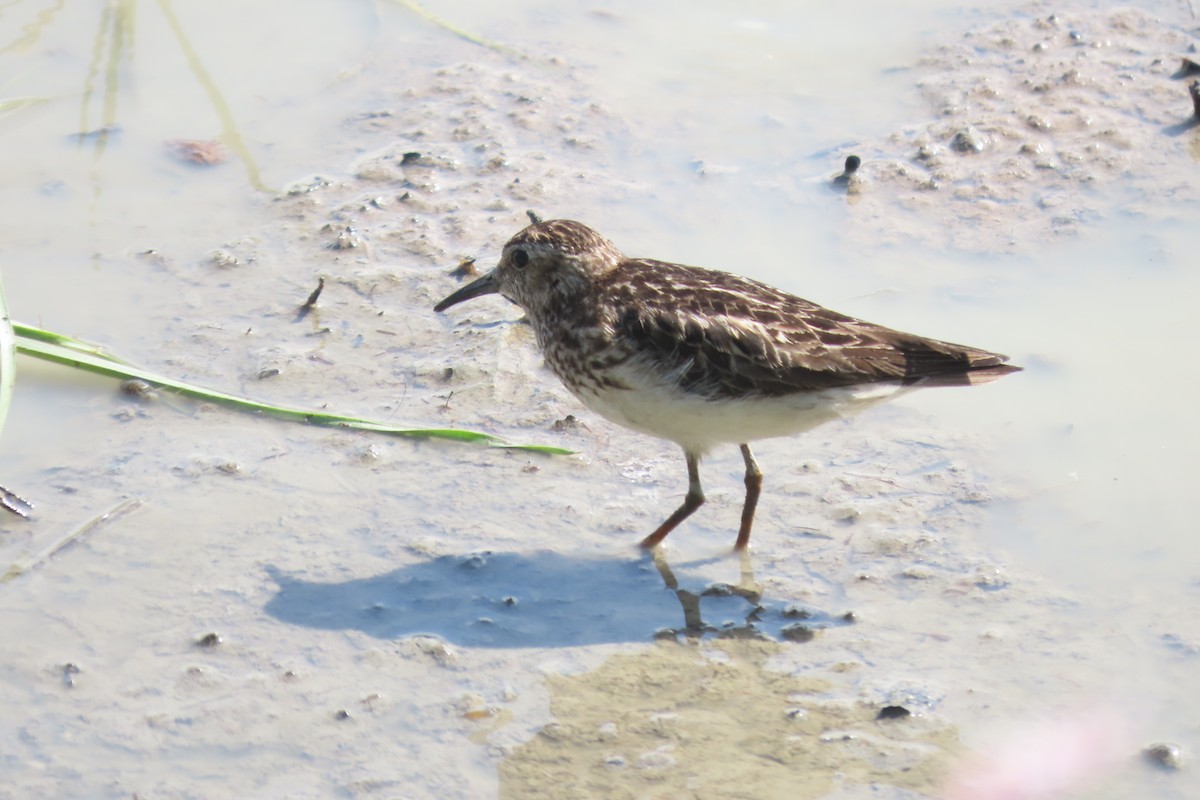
[301, 612]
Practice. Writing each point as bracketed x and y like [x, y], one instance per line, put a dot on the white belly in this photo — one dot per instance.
[697, 424]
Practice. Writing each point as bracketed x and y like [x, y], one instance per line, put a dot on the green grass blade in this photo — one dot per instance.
[9, 501]
[60, 349]
[16, 104]
[50, 337]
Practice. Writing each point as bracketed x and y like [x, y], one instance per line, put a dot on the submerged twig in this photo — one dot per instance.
[311, 302]
[19, 568]
[13, 502]
[457, 31]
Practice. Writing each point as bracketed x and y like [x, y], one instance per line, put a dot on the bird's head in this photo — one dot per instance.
[545, 266]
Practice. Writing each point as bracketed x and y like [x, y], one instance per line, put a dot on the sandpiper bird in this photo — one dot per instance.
[702, 357]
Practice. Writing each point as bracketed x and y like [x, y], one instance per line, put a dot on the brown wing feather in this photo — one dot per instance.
[747, 338]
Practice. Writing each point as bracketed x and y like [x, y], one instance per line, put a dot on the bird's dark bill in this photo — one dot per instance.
[484, 285]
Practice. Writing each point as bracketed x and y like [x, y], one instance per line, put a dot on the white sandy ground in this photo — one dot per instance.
[426, 619]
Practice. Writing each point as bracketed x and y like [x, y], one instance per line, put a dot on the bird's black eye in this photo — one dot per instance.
[520, 259]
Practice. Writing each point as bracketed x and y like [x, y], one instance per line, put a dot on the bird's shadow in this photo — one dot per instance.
[542, 599]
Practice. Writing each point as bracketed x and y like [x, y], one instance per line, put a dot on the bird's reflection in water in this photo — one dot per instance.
[759, 620]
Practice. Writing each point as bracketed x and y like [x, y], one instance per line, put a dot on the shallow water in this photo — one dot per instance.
[466, 622]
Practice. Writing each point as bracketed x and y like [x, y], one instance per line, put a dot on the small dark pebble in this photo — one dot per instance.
[466, 268]
[135, 387]
[342, 714]
[476, 560]
[797, 633]
[69, 671]
[893, 712]
[851, 167]
[348, 239]
[991, 585]
[796, 612]
[849, 616]
[566, 423]
[968, 140]
[510, 601]
[410, 157]
[1165, 754]
[208, 640]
